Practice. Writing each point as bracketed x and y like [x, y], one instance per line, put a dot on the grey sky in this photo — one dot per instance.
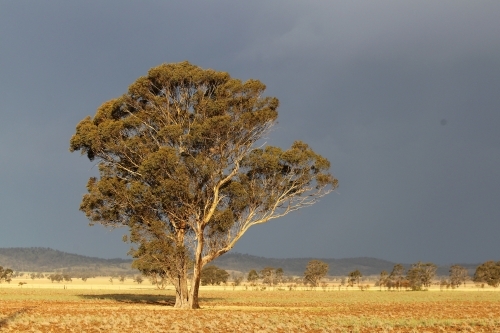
[402, 97]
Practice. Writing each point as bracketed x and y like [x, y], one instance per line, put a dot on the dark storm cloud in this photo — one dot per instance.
[402, 97]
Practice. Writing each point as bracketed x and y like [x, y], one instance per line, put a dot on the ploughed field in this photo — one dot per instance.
[141, 310]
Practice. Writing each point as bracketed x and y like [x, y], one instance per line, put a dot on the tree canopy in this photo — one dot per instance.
[421, 274]
[315, 271]
[353, 277]
[488, 272]
[181, 167]
[213, 275]
[6, 274]
[252, 276]
[458, 275]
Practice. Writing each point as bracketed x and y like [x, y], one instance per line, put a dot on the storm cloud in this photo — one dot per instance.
[401, 97]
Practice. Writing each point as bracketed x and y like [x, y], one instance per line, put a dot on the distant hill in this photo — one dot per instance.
[296, 266]
[337, 267]
[37, 259]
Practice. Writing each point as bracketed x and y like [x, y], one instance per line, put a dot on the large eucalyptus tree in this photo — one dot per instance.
[180, 165]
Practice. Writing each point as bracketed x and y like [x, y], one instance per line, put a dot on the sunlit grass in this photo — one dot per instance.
[73, 310]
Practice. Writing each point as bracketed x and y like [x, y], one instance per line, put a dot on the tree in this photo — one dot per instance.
[6, 274]
[396, 276]
[488, 272]
[237, 280]
[315, 271]
[213, 275]
[138, 279]
[56, 277]
[421, 274]
[252, 277]
[458, 275]
[279, 276]
[268, 276]
[353, 277]
[179, 167]
[382, 281]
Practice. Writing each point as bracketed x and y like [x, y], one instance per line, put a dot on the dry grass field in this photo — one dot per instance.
[99, 307]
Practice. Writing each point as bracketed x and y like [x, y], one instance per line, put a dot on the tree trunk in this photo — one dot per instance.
[198, 265]
[180, 282]
[181, 292]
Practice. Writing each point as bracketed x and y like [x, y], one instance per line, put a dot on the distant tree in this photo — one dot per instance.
[353, 277]
[253, 277]
[213, 275]
[382, 281]
[6, 274]
[121, 278]
[33, 276]
[315, 271]
[488, 272]
[342, 282]
[159, 280]
[138, 279]
[279, 276]
[84, 278]
[56, 277]
[180, 161]
[268, 275]
[458, 275]
[396, 276]
[237, 280]
[420, 275]
[443, 283]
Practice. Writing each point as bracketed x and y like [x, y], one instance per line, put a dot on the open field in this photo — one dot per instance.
[140, 308]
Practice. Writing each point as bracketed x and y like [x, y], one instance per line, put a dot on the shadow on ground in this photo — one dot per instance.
[165, 300]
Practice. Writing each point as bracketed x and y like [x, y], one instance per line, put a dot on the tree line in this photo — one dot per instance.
[419, 276]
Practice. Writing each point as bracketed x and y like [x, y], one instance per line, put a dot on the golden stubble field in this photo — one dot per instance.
[132, 308]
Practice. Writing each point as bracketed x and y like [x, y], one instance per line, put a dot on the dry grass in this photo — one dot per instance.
[83, 310]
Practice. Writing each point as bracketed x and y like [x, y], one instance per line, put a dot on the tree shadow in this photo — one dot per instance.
[5, 321]
[164, 300]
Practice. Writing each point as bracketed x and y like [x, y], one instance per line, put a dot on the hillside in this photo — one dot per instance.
[296, 266]
[38, 259]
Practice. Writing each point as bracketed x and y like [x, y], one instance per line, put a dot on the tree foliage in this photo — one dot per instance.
[353, 277]
[271, 276]
[383, 279]
[420, 275]
[315, 271]
[213, 275]
[458, 275]
[253, 276]
[6, 274]
[396, 276]
[279, 276]
[179, 166]
[488, 272]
